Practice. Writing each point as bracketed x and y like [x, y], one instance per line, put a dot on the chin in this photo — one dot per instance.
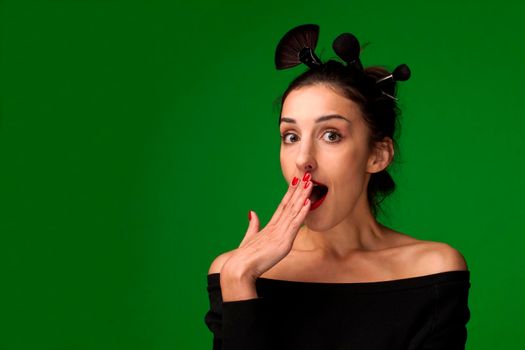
[318, 223]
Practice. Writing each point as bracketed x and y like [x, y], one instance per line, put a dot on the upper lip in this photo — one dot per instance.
[318, 183]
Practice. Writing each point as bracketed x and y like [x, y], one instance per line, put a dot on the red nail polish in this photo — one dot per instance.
[250, 215]
[307, 184]
[294, 181]
[306, 177]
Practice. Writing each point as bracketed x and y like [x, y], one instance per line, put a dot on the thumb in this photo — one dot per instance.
[253, 228]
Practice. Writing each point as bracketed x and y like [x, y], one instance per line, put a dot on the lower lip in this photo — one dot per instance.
[318, 202]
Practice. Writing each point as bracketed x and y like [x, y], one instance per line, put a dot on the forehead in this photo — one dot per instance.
[309, 102]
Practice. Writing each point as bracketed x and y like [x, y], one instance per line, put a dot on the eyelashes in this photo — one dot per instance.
[338, 135]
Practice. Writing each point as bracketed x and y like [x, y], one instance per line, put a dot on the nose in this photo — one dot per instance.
[305, 160]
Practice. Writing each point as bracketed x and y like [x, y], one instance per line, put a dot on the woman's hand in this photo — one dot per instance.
[261, 250]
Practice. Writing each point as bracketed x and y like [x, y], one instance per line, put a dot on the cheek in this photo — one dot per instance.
[348, 157]
[355, 155]
[348, 167]
[286, 165]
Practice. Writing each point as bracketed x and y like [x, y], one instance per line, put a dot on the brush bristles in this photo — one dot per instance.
[401, 73]
[347, 47]
[291, 44]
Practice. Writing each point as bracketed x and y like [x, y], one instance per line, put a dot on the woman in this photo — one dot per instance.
[324, 273]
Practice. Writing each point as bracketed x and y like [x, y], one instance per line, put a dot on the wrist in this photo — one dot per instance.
[237, 286]
[238, 270]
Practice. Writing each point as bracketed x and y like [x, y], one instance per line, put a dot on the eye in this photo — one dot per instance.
[284, 137]
[338, 136]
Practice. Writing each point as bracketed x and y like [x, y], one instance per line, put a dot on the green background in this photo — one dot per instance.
[136, 135]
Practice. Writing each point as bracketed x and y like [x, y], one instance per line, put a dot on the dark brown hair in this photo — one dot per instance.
[380, 112]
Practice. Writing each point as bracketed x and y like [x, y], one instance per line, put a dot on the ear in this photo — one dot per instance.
[381, 156]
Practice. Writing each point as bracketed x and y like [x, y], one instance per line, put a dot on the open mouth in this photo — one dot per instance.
[318, 194]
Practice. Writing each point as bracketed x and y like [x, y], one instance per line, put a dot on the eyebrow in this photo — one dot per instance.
[318, 120]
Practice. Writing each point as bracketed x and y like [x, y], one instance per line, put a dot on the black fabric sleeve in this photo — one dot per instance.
[240, 324]
[451, 315]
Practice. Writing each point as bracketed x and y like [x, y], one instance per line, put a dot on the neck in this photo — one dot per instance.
[358, 231]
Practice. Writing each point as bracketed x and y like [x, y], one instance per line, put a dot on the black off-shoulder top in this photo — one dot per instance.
[426, 312]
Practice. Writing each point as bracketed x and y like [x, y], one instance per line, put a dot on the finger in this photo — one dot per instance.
[293, 202]
[287, 196]
[297, 221]
[253, 227]
[297, 203]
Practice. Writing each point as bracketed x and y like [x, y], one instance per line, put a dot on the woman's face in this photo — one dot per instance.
[325, 130]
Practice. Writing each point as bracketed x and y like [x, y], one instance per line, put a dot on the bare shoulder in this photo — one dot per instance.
[429, 257]
[416, 257]
[219, 261]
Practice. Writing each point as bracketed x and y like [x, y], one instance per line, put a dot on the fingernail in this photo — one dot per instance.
[306, 201]
[306, 177]
[295, 181]
[250, 215]
[307, 184]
